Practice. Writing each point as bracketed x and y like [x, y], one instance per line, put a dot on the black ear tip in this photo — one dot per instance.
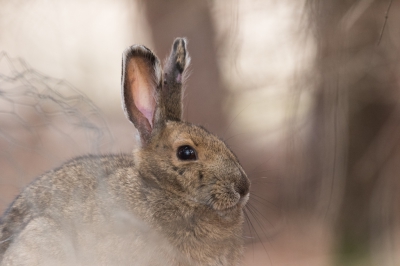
[179, 54]
[140, 51]
[179, 44]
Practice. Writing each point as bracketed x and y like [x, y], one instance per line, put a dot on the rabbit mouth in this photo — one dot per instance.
[244, 199]
[239, 203]
[229, 203]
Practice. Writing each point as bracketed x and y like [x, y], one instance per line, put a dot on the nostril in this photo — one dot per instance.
[243, 186]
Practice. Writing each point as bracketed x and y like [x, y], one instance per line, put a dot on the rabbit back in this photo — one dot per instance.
[78, 215]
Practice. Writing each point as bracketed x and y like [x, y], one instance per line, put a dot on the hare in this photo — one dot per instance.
[176, 200]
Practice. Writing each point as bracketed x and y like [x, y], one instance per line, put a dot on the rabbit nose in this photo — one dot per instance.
[243, 185]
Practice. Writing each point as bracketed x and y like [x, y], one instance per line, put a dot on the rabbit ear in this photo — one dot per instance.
[141, 79]
[174, 69]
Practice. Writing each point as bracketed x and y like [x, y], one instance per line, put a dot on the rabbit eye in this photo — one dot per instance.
[186, 153]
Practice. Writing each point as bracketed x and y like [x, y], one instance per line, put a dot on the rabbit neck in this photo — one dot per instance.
[203, 235]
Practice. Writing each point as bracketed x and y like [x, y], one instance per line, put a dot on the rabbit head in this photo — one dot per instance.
[180, 157]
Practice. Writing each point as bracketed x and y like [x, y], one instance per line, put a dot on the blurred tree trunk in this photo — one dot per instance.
[356, 100]
[192, 19]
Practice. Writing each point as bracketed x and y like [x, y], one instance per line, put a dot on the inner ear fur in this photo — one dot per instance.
[141, 80]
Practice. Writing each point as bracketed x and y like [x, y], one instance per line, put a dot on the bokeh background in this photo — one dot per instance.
[305, 92]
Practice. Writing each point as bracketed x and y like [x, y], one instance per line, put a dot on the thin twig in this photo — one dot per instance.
[384, 24]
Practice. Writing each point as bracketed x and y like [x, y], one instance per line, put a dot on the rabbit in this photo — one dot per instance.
[177, 199]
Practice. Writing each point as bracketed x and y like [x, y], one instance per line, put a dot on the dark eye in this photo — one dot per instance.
[186, 153]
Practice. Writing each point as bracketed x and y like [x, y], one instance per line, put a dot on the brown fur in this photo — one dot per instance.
[135, 209]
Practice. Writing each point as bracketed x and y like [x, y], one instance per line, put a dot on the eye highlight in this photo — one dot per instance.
[186, 153]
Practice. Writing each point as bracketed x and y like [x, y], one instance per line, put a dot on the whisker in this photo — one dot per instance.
[262, 200]
[260, 213]
[258, 236]
[250, 229]
[254, 211]
[258, 201]
[263, 181]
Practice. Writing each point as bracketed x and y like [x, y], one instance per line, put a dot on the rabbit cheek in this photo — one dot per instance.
[184, 176]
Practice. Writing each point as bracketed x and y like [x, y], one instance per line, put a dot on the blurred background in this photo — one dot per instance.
[305, 92]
